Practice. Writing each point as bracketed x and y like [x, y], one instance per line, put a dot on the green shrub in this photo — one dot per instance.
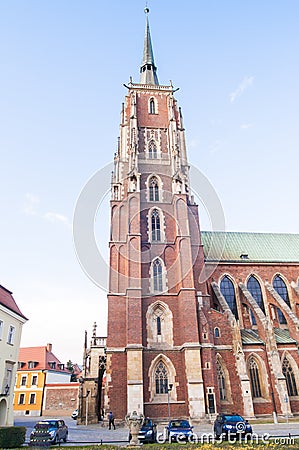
[12, 437]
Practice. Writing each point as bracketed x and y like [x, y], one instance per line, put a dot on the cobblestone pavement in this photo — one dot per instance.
[97, 433]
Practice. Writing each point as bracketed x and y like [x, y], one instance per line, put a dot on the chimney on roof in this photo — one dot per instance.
[49, 348]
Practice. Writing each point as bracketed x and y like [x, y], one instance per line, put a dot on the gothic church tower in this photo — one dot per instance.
[154, 359]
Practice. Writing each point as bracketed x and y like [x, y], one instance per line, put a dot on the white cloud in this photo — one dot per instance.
[31, 201]
[57, 218]
[245, 83]
[245, 126]
[30, 208]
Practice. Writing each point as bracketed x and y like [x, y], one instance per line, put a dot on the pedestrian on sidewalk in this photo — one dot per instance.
[111, 420]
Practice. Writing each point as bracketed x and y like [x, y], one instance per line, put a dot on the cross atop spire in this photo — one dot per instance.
[148, 68]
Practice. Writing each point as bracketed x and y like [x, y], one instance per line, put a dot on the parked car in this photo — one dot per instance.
[231, 424]
[148, 432]
[48, 432]
[75, 414]
[178, 430]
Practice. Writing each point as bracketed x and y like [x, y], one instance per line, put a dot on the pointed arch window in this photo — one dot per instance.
[158, 275]
[161, 378]
[154, 190]
[221, 381]
[156, 225]
[152, 150]
[290, 378]
[254, 376]
[281, 289]
[158, 325]
[228, 291]
[152, 107]
[255, 290]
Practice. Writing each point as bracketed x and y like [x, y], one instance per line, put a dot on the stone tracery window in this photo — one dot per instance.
[254, 376]
[228, 291]
[290, 377]
[156, 225]
[158, 275]
[161, 378]
[221, 381]
[154, 190]
[152, 150]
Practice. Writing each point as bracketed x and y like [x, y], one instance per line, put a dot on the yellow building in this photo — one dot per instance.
[37, 368]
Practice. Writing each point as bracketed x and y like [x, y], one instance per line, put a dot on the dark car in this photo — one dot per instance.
[48, 432]
[178, 430]
[231, 424]
[148, 432]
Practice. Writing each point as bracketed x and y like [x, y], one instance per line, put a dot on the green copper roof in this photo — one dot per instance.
[250, 337]
[250, 247]
[282, 336]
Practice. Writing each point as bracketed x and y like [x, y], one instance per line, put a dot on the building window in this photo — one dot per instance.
[1, 328]
[158, 275]
[156, 225]
[158, 325]
[32, 399]
[254, 378]
[23, 380]
[161, 378]
[152, 108]
[221, 381]
[154, 190]
[228, 291]
[32, 364]
[255, 290]
[281, 289]
[52, 364]
[11, 335]
[7, 378]
[21, 399]
[290, 378]
[34, 380]
[217, 332]
[152, 150]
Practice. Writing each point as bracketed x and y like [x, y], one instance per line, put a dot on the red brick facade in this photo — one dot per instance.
[178, 342]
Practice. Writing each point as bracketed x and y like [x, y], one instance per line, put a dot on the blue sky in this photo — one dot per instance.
[63, 65]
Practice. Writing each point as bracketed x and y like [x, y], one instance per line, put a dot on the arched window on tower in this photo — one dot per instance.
[161, 378]
[290, 377]
[158, 325]
[254, 376]
[221, 381]
[255, 290]
[281, 289]
[156, 225]
[158, 275]
[152, 108]
[152, 150]
[228, 291]
[153, 190]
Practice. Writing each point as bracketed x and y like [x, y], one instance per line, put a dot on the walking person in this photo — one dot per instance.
[111, 420]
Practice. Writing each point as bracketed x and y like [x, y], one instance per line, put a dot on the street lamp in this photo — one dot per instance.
[169, 388]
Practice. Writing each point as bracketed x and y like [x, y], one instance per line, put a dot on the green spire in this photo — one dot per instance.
[148, 68]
